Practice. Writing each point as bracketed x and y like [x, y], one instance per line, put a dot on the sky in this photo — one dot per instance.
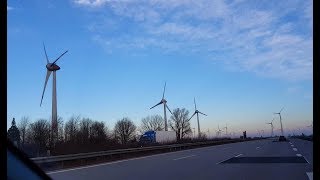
[241, 60]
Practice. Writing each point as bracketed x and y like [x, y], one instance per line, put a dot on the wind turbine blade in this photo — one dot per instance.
[156, 105]
[202, 113]
[168, 109]
[195, 105]
[281, 110]
[45, 84]
[192, 116]
[164, 89]
[44, 47]
[59, 57]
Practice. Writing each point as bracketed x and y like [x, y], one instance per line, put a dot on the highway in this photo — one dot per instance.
[260, 159]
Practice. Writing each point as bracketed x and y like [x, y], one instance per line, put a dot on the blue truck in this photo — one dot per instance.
[161, 137]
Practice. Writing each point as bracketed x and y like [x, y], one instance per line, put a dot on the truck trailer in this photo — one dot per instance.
[161, 137]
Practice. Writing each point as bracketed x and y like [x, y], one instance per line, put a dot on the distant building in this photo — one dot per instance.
[13, 134]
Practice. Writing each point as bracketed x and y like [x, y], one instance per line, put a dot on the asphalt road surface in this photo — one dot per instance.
[261, 159]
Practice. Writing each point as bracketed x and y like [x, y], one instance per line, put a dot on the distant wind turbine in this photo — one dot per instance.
[280, 121]
[271, 123]
[165, 106]
[52, 67]
[197, 112]
[219, 131]
[259, 134]
[226, 129]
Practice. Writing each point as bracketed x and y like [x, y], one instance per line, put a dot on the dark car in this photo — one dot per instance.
[282, 138]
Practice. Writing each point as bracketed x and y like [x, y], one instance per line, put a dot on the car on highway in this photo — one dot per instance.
[282, 138]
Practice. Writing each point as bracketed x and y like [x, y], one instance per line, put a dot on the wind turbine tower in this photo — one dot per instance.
[280, 121]
[226, 129]
[52, 67]
[165, 106]
[197, 112]
[219, 131]
[271, 123]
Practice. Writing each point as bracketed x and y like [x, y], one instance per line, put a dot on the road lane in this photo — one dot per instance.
[202, 163]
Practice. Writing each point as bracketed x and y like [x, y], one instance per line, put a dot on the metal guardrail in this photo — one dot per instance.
[79, 156]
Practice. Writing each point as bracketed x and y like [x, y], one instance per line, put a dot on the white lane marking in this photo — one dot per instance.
[226, 148]
[228, 158]
[306, 159]
[183, 157]
[292, 145]
[310, 175]
[257, 147]
[295, 149]
[299, 155]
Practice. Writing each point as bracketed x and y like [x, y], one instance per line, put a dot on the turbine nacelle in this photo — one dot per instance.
[163, 101]
[52, 67]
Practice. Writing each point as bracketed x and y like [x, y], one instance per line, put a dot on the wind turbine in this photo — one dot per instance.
[280, 121]
[219, 131]
[226, 129]
[271, 123]
[52, 67]
[259, 134]
[196, 112]
[165, 106]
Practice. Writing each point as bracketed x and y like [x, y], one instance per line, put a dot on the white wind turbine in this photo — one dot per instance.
[197, 112]
[219, 131]
[226, 129]
[52, 67]
[165, 106]
[280, 121]
[271, 123]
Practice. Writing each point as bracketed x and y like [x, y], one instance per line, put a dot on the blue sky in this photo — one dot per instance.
[242, 60]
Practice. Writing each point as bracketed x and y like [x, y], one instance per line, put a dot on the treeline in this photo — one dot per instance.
[80, 134]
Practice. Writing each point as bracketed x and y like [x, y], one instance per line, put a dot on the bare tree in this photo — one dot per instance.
[155, 123]
[22, 126]
[97, 133]
[180, 123]
[124, 130]
[84, 131]
[71, 128]
[40, 134]
[60, 129]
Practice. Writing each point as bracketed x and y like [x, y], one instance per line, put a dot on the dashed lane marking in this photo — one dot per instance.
[184, 157]
[228, 159]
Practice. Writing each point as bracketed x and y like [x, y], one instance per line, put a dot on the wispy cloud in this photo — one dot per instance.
[91, 3]
[271, 39]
